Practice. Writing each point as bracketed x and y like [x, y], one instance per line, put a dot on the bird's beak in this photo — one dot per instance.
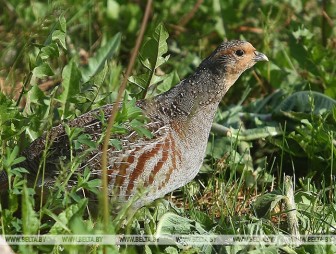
[259, 57]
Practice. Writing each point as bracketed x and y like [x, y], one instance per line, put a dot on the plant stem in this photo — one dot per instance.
[293, 224]
[113, 115]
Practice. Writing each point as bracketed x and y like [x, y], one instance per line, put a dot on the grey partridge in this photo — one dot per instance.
[180, 120]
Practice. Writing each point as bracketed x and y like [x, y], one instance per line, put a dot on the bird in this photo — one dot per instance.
[179, 119]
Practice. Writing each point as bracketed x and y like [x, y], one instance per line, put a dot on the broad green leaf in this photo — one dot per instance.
[140, 80]
[153, 50]
[35, 95]
[71, 87]
[306, 102]
[266, 203]
[171, 250]
[99, 78]
[39, 9]
[36, 105]
[63, 219]
[97, 62]
[18, 160]
[151, 57]
[171, 223]
[129, 110]
[59, 36]
[168, 82]
[143, 79]
[79, 226]
[62, 23]
[48, 51]
[203, 218]
[42, 71]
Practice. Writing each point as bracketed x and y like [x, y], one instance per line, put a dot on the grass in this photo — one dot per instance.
[59, 60]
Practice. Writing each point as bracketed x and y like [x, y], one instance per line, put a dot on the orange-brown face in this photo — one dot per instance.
[237, 56]
[231, 59]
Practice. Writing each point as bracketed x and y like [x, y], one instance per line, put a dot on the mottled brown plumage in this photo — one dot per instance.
[180, 120]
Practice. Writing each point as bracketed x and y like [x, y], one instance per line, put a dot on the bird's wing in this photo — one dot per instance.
[125, 163]
[137, 163]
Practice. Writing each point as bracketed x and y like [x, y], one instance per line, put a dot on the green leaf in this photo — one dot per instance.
[30, 219]
[140, 128]
[129, 111]
[171, 223]
[116, 143]
[48, 51]
[72, 133]
[59, 36]
[140, 80]
[143, 79]
[62, 23]
[86, 140]
[39, 9]
[266, 203]
[147, 250]
[7, 111]
[42, 70]
[132, 110]
[11, 158]
[203, 218]
[153, 50]
[95, 183]
[171, 250]
[168, 82]
[64, 218]
[99, 78]
[35, 95]
[151, 57]
[18, 171]
[306, 102]
[18, 160]
[71, 87]
[105, 53]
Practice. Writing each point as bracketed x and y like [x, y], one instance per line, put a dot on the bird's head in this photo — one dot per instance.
[232, 58]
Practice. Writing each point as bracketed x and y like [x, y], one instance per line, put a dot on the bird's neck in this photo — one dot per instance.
[195, 96]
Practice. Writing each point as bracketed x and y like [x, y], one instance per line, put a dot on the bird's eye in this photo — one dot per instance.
[239, 52]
